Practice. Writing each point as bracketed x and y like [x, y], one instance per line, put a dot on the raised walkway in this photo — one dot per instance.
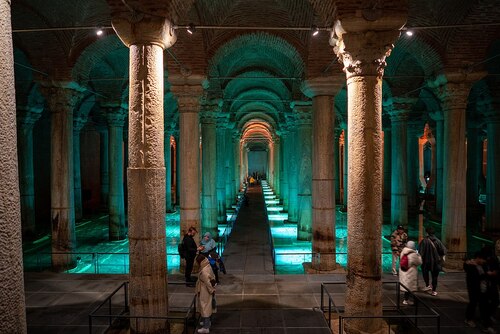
[251, 299]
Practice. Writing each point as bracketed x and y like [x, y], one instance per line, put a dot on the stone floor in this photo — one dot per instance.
[251, 299]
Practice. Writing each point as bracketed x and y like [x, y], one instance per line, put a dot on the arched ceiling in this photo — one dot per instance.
[256, 72]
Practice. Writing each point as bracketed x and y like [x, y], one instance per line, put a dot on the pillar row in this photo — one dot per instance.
[222, 120]
[208, 168]
[78, 123]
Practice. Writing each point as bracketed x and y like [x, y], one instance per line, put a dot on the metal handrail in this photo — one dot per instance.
[270, 236]
[190, 313]
[411, 318]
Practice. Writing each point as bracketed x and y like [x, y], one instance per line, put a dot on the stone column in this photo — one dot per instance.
[362, 49]
[492, 116]
[285, 175]
[228, 167]
[322, 91]
[336, 163]
[304, 152]
[293, 208]
[12, 303]
[104, 166]
[78, 124]
[453, 96]
[399, 164]
[415, 130]
[116, 117]
[188, 92]
[26, 119]
[168, 174]
[146, 37]
[177, 166]
[62, 101]
[276, 158]
[387, 183]
[346, 164]
[222, 120]
[208, 168]
[474, 164]
[236, 163]
[439, 135]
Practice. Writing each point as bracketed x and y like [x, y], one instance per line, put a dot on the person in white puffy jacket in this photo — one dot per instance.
[409, 278]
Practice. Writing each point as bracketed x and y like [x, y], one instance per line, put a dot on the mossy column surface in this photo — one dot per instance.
[322, 91]
[12, 304]
[363, 51]
[146, 37]
[208, 169]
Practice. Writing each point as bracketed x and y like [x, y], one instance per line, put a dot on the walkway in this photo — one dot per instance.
[251, 299]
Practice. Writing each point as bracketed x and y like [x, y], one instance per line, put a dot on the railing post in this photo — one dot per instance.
[90, 324]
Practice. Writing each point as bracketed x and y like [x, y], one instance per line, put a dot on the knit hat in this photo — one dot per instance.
[207, 234]
[410, 244]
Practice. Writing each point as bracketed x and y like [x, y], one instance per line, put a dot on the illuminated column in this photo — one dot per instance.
[387, 184]
[285, 168]
[293, 209]
[222, 120]
[177, 166]
[12, 304]
[363, 50]
[236, 163]
[492, 116]
[415, 130]
[104, 166]
[228, 158]
[303, 115]
[188, 95]
[346, 163]
[78, 124]
[208, 168]
[62, 102]
[474, 164]
[336, 162]
[116, 117]
[399, 163]
[453, 96]
[277, 149]
[168, 173]
[146, 37]
[439, 135]
[322, 91]
[26, 119]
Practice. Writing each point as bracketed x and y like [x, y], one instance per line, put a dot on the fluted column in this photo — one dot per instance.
[322, 91]
[474, 163]
[208, 168]
[62, 102]
[438, 181]
[415, 130]
[116, 117]
[221, 167]
[12, 300]
[362, 49]
[26, 119]
[492, 117]
[304, 152]
[147, 37]
[399, 161]
[78, 123]
[453, 96]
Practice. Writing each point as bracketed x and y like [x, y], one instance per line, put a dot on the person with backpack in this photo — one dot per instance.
[408, 270]
[432, 251]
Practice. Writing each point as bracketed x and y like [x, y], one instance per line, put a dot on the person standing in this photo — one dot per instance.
[205, 291]
[432, 251]
[409, 277]
[190, 254]
[398, 242]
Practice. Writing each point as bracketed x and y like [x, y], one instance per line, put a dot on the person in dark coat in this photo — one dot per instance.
[191, 249]
[432, 251]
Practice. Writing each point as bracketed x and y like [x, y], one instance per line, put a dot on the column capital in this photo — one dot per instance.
[437, 115]
[363, 53]
[143, 29]
[222, 121]
[62, 96]
[115, 115]
[322, 86]
[189, 92]
[27, 116]
[79, 122]
[302, 112]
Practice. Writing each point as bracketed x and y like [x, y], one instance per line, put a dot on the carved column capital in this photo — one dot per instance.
[302, 112]
[62, 96]
[79, 122]
[189, 92]
[143, 29]
[28, 116]
[322, 86]
[363, 53]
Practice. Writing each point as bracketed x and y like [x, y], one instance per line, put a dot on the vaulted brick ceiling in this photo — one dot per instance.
[277, 60]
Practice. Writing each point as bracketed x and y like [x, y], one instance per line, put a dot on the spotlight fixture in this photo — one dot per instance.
[99, 32]
[191, 29]
[409, 33]
[315, 30]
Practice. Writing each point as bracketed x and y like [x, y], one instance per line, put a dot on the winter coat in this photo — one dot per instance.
[204, 288]
[191, 247]
[409, 278]
[432, 250]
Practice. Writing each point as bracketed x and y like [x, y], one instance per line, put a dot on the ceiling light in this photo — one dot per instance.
[99, 32]
[191, 29]
[315, 30]
[409, 33]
